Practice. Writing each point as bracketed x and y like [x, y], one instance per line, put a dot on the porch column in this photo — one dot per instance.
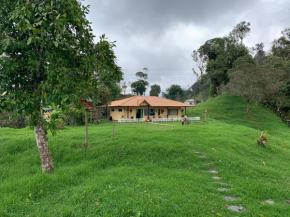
[185, 110]
[167, 112]
[148, 112]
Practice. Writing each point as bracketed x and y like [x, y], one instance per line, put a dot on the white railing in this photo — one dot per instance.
[194, 118]
[174, 119]
[122, 120]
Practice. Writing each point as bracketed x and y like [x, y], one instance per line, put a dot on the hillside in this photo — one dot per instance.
[151, 169]
[232, 110]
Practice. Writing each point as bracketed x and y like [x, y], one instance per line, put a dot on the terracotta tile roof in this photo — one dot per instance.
[153, 101]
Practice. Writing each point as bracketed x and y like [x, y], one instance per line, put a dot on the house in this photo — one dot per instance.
[189, 101]
[146, 107]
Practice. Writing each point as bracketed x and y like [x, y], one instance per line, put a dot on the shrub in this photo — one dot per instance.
[263, 138]
[13, 120]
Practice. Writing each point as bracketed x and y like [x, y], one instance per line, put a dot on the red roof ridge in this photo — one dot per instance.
[130, 98]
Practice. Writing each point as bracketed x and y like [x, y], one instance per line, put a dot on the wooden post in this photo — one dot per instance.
[205, 115]
[185, 110]
[86, 128]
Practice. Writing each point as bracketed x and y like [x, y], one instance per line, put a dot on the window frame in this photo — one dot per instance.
[151, 112]
[170, 110]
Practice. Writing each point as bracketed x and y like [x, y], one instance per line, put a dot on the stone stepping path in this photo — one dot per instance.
[226, 198]
[217, 177]
[221, 183]
[236, 208]
[223, 189]
[268, 202]
[230, 198]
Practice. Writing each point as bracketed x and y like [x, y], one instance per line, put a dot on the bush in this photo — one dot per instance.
[13, 120]
[74, 116]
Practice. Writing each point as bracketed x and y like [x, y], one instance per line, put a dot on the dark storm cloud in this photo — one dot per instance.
[155, 16]
[161, 34]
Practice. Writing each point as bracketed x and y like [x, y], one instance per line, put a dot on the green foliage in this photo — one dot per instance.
[241, 30]
[174, 92]
[74, 116]
[142, 75]
[281, 46]
[13, 120]
[260, 54]
[139, 87]
[155, 90]
[47, 54]
[221, 53]
[109, 74]
[263, 138]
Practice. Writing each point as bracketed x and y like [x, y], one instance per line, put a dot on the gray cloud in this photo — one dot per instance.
[161, 34]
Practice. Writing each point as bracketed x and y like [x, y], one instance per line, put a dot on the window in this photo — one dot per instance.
[151, 112]
[112, 110]
[159, 111]
[172, 111]
[120, 110]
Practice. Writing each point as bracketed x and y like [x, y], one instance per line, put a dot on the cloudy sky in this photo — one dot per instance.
[161, 34]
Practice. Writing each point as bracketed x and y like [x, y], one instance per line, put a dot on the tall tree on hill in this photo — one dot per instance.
[241, 30]
[281, 46]
[274, 79]
[155, 90]
[221, 53]
[244, 80]
[47, 55]
[201, 60]
[139, 87]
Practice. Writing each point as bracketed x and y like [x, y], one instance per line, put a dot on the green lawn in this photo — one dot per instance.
[150, 169]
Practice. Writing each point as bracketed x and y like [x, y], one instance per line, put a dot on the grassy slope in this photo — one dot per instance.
[151, 170]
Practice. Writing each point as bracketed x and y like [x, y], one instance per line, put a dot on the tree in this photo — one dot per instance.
[260, 54]
[281, 46]
[155, 90]
[139, 87]
[47, 55]
[220, 53]
[244, 80]
[274, 79]
[241, 30]
[201, 60]
[174, 92]
[107, 71]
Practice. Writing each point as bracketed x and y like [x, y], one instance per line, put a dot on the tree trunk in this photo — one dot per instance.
[201, 82]
[86, 128]
[248, 106]
[43, 149]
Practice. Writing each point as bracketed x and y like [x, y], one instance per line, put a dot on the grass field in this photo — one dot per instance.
[152, 170]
